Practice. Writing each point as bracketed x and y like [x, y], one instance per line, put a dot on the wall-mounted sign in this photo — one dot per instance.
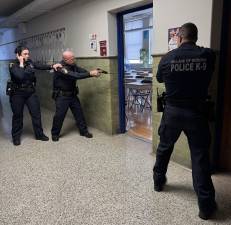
[93, 42]
[172, 38]
[93, 45]
[92, 36]
[103, 48]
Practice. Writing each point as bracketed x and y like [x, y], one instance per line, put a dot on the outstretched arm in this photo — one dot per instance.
[39, 66]
[80, 73]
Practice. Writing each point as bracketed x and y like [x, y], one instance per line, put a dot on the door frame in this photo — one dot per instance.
[120, 44]
[221, 86]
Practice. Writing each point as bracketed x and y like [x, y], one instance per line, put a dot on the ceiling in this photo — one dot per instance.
[21, 11]
[14, 12]
[11, 6]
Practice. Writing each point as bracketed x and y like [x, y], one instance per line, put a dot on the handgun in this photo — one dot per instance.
[62, 70]
[102, 71]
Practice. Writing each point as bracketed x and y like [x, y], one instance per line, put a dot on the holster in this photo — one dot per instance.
[55, 94]
[160, 101]
[10, 89]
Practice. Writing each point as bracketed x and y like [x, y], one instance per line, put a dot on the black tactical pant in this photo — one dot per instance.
[62, 104]
[196, 128]
[17, 105]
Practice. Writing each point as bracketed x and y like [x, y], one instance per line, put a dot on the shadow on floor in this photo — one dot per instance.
[223, 201]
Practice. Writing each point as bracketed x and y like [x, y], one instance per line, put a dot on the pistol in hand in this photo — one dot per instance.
[62, 70]
[102, 71]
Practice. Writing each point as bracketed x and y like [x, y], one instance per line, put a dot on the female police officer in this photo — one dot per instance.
[22, 93]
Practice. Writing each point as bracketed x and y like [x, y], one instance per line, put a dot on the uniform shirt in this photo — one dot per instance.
[26, 74]
[186, 72]
[67, 82]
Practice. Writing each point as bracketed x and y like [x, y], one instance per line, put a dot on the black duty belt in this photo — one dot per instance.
[184, 103]
[24, 86]
[65, 93]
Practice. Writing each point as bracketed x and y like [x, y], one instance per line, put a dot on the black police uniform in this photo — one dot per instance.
[65, 92]
[186, 72]
[23, 93]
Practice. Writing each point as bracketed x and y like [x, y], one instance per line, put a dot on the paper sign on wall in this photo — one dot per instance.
[92, 36]
[172, 38]
[93, 42]
[93, 45]
[103, 48]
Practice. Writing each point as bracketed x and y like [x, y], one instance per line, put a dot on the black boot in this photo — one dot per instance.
[209, 213]
[16, 141]
[159, 182]
[55, 138]
[42, 137]
[86, 134]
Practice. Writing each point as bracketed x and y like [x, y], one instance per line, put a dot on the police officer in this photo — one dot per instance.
[186, 73]
[65, 93]
[23, 80]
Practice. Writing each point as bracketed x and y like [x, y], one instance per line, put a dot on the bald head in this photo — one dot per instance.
[69, 57]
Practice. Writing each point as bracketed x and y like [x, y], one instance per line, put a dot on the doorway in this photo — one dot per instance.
[225, 92]
[135, 41]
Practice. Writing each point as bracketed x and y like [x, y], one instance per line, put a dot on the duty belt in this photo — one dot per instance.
[24, 86]
[184, 103]
[66, 93]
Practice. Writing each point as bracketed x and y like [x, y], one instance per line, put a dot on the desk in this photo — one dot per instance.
[133, 78]
[130, 79]
[139, 86]
[138, 94]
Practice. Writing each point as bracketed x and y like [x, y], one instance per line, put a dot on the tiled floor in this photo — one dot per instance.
[104, 180]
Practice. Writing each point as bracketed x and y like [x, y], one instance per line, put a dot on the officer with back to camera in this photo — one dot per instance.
[186, 73]
[23, 82]
[65, 93]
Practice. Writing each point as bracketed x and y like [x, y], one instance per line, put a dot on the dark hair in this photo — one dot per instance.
[189, 31]
[19, 49]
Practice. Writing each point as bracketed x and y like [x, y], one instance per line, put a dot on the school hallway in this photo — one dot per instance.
[104, 180]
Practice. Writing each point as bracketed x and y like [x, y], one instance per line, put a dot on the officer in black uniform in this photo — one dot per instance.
[65, 92]
[22, 93]
[186, 73]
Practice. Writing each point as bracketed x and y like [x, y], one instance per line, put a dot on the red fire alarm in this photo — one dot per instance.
[103, 48]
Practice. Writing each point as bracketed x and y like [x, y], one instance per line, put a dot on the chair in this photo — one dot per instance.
[139, 77]
[146, 81]
[141, 98]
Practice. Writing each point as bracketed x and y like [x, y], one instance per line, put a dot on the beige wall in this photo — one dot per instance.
[5, 109]
[84, 17]
[173, 13]
[6, 36]
[81, 18]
